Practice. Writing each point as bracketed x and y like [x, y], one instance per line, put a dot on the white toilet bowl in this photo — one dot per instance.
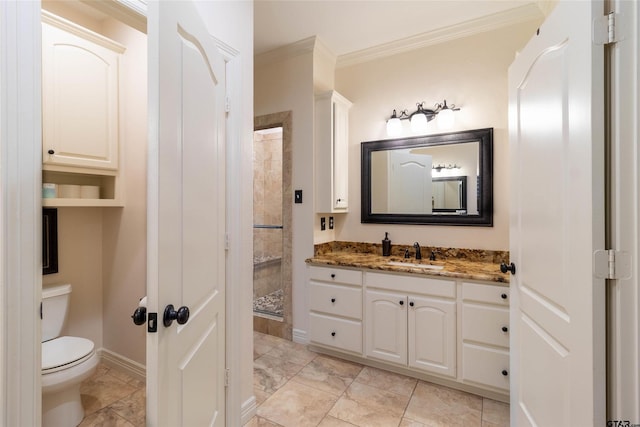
[66, 362]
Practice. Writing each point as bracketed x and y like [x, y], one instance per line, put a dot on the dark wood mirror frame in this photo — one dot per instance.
[484, 218]
[49, 240]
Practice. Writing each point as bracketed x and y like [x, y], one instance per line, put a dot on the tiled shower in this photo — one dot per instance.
[268, 294]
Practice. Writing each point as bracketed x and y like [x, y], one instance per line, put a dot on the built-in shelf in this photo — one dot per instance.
[108, 181]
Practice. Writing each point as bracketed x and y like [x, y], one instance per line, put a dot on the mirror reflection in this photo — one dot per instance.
[436, 179]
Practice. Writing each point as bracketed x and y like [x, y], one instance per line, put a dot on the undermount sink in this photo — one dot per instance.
[413, 265]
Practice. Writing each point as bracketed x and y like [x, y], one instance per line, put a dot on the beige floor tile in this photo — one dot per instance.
[363, 405]
[435, 405]
[263, 343]
[406, 422]
[106, 417]
[260, 422]
[296, 405]
[100, 392]
[494, 412]
[132, 407]
[328, 374]
[292, 352]
[271, 373]
[385, 380]
[329, 421]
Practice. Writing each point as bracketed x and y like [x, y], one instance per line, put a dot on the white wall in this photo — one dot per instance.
[469, 72]
[287, 85]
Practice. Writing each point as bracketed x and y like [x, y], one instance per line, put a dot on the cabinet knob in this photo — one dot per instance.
[505, 372]
[401, 302]
[411, 303]
[503, 296]
[505, 329]
[511, 267]
[333, 275]
[50, 151]
[333, 300]
[333, 334]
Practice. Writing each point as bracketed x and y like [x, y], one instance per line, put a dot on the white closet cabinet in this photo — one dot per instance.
[411, 321]
[80, 112]
[331, 152]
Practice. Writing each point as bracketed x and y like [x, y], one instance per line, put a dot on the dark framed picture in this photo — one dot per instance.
[49, 240]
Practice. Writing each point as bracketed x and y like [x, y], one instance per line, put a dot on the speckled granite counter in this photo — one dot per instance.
[457, 263]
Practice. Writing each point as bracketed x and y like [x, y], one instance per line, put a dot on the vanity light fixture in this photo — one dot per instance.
[440, 166]
[421, 117]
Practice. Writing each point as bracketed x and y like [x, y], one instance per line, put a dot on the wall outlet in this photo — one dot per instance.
[323, 224]
[330, 223]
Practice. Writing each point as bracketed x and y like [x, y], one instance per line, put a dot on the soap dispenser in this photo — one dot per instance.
[386, 245]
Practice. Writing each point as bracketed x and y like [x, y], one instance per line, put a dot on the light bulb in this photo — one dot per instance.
[394, 127]
[445, 118]
[419, 123]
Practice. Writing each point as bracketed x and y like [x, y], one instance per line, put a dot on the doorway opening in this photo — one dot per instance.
[272, 225]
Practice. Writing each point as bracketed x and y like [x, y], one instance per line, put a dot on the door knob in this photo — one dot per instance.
[170, 314]
[50, 151]
[139, 316]
[511, 267]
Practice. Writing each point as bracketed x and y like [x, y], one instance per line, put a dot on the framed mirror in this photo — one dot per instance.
[444, 179]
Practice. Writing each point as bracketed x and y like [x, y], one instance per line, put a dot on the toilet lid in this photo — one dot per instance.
[64, 351]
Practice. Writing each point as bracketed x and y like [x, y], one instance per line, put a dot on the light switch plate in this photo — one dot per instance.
[297, 196]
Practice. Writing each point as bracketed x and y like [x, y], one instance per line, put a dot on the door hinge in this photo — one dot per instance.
[605, 30]
[227, 104]
[226, 377]
[226, 241]
[611, 264]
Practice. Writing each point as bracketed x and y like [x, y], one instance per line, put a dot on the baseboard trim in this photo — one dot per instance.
[117, 361]
[248, 410]
[300, 336]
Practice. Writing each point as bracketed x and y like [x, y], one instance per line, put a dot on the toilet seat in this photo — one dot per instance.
[65, 352]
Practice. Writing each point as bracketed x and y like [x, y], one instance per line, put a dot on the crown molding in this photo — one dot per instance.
[291, 50]
[517, 15]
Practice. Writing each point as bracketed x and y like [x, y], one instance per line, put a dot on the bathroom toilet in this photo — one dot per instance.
[66, 362]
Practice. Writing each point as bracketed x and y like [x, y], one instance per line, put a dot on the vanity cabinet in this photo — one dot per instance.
[80, 109]
[335, 302]
[331, 152]
[411, 321]
[485, 335]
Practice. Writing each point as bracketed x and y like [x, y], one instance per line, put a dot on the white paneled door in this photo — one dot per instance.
[556, 132]
[186, 219]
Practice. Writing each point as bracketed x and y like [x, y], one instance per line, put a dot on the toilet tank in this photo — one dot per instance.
[55, 304]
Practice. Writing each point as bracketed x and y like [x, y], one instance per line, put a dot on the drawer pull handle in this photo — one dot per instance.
[505, 372]
[503, 296]
[333, 300]
[411, 303]
[333, 275]
[333, 334]
[401, 302]
[505, 329]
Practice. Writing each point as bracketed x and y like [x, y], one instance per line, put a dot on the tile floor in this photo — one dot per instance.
[296, 387]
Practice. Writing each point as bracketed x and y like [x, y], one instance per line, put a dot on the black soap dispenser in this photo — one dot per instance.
[386, 245]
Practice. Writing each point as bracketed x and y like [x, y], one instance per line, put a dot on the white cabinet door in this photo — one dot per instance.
[331, 152]
[79, 97]
[556, 128]
[386, 326]
[432, 335]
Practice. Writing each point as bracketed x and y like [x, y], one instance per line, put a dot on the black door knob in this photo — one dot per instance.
[511, 267]
[170, 314]
[50, 151]
[139, 316]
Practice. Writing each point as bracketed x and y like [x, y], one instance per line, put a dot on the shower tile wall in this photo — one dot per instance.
[267, 210]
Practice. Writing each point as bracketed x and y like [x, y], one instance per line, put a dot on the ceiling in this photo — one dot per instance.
[350, 26]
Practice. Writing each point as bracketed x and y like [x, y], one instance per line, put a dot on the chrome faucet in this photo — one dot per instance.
[417, 248]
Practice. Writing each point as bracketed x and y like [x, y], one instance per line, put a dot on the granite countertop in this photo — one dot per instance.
[456, 263]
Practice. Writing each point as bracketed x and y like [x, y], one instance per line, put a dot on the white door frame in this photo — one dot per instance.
[20, 212]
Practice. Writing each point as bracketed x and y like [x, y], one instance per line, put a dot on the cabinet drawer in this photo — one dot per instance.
[490, 294]
[342, 334]
[336, 275]
[336, 299]
[412, 284]
[485, 324]
[485, 366]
